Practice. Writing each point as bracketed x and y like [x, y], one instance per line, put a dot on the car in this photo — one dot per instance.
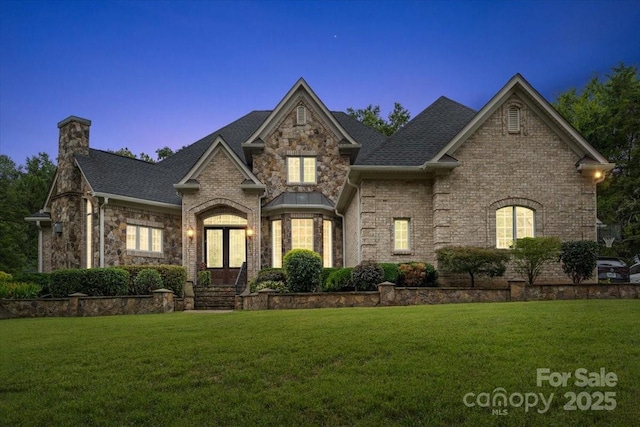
[634, 273]
[613, 270]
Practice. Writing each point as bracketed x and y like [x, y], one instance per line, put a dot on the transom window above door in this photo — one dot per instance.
[225, 219]
[301, 170]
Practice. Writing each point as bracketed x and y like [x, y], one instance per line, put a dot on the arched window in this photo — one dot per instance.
[513, 222]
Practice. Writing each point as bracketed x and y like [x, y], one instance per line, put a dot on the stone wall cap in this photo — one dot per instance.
[386, 284]
[74, 119]
[78, 294]
[265, 290]
[162, 291]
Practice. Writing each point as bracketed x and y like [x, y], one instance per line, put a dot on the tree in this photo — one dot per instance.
[607, 114]
[164, 152]
[532, 253]
[23, 190]
[370, 116]
[579, 259]
[473, 261]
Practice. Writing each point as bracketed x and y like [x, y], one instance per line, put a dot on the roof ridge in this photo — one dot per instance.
[118, 155]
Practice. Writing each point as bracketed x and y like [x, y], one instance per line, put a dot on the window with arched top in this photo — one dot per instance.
[513, 119]
[513, 222]
[301, 115]
[225, 219]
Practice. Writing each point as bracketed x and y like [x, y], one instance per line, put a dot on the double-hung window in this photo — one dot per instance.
[302, 234]
[401, 235]
[513, 222]
[141, 238]
[301, 170]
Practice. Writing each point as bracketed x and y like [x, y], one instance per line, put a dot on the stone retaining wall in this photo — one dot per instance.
[390, 295]
[80, 305]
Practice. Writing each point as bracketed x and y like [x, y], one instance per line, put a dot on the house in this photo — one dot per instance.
[302, 176]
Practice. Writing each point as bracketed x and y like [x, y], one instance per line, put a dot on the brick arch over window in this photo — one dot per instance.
[221, 204]
[536, 207]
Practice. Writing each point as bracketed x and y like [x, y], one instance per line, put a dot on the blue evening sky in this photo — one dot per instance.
[151, 74]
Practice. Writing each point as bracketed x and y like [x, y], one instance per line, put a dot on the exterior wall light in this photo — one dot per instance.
[57, 228]
[597, 174]
[249, 232]
[190, 233]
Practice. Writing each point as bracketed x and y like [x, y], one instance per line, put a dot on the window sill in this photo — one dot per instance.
[147, 254]
[402, 252]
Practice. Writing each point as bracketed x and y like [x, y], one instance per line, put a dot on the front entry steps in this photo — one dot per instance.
[215, 297]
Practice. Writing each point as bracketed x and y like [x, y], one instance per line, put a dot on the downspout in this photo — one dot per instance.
[40, 250]
[105, 202]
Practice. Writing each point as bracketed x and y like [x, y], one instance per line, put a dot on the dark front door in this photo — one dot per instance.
[226, 251]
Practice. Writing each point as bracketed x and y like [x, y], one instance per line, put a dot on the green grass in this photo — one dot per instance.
[381, 366]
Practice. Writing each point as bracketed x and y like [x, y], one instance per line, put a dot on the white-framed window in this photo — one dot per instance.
[327, 243]
[401, 235]
[513, 222]
[141, 238]
[302, 234]
[301, 170]
[276, 244]
[513, 119]
[301, 115]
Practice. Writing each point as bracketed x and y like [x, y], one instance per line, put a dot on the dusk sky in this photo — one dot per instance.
[150, 74]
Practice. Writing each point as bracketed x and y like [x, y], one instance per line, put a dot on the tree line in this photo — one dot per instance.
[606, 112]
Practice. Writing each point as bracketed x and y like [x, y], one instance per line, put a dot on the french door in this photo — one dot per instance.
[225, 252]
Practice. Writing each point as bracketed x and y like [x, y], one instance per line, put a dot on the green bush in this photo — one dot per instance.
[66, 282]
[41, 279]
[267, 275]
[173, 276]
[326, 272]
[532, 253]
[148, 280]
[276, 285]
[390, 272]
[579, 259]
[204, 278]
[366, 276]
[338, 280]
[5, 277]
[105, 282]
[19, 290]
[304, 270]
[473, 261]
[416, 274]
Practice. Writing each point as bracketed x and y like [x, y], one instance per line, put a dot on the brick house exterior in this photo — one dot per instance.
[301, 175]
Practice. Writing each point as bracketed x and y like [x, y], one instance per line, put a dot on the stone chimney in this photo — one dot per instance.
[74, 139]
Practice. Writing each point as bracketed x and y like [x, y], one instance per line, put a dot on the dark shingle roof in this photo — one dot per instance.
[300, 199]
[414, 144]
[420, 139]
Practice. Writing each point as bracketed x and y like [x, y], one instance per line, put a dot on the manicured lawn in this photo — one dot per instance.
[381, 366]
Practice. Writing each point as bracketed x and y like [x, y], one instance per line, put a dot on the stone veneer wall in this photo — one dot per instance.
[66, 249]
[116, 219]
[219, 193]
[79, 305]
[389, 295]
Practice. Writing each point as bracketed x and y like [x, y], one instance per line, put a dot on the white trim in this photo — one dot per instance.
[137, 201]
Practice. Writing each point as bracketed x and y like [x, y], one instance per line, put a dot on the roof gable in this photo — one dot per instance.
[517, 84]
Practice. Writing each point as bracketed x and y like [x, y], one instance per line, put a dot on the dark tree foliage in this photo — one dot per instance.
[370, 116]
[607, 113]
[473, 261]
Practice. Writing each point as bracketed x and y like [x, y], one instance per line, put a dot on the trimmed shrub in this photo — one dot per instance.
[5, 277]
[390, 272]
[276, 285]
[148, 280]
[204, 278]
[338, 280]
[268, 275]
[473, 261]
[105, 282]
[304, 269]
[532, 253]
[41, 279]
[173, 276]
[366, 276]
[579, 259]
[416, 274]
[19, 290]
[66, 282]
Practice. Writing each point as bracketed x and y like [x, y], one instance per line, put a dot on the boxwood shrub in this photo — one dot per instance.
[65, 282]
[93, 282]
[304, 270]
[390, 272]
[267, 275]
[148, 280]
[173, 277]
